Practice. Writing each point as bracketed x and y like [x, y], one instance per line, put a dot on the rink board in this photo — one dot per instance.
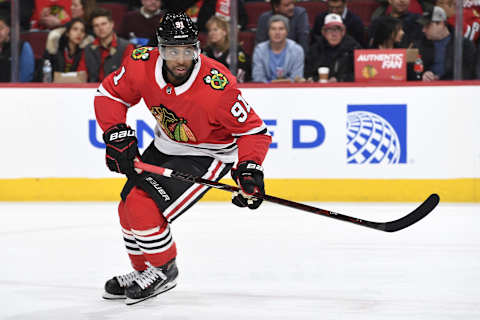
[329, 143]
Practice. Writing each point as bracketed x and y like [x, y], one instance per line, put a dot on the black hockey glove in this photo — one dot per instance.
[122, 148]
[249, 177]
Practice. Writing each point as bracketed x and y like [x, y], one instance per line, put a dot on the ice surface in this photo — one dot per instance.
[276, 263]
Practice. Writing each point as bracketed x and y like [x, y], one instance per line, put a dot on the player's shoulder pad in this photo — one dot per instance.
[143, 53]
[216, 75]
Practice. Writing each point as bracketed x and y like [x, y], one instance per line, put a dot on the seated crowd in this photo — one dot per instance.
[86, 40]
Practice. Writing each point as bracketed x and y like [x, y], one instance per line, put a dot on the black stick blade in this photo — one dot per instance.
[416, 215]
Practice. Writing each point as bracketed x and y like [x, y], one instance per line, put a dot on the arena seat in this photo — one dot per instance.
[247, 40]
[254, 11]
[37, 40]
[118, 12]
[313, 9]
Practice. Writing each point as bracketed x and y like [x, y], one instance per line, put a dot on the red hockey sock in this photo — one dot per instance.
[134, 253]
[149, 228]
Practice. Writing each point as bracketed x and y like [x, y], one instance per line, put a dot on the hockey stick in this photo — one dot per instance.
[416, 215]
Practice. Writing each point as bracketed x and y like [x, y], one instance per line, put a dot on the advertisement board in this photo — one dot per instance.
[341, 138]
[380, 65]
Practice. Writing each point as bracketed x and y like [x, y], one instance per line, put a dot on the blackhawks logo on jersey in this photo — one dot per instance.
[141, 53]
[174, 127]
[216, 80]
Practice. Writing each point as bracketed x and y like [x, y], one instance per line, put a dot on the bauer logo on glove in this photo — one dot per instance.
[122, 134]
[121, 149]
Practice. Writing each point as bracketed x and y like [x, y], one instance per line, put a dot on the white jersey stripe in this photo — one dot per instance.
[193, 192]
[145, 232]
[252, 131]
[101, 91]
[156, 243]
[129, 237]
[127, 232]
[155, 237]
[134, 252]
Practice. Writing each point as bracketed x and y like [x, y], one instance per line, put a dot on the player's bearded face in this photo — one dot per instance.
[179, 60]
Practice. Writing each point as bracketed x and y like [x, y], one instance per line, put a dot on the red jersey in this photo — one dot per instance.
[58, 8]
[205, 116]
[471, 23]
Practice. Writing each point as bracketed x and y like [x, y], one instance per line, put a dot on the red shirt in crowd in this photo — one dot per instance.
[58, 8]
[105, 52]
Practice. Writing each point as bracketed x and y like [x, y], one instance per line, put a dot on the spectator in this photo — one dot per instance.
[471, 18]
[50, 14]
[334, 50]
[411, 27]
[26, 59]
[352, 22]
[107, 51]
[417, 6]
[139, 26]
[218, 48]
[279, 58]
[201, 10]
[388, 35]
[26, 12]
[298, 21]
[436, 48]
[81, 9]
[69, 56]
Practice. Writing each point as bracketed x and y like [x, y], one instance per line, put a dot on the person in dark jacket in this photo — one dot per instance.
[106, 53]
[333, 50]
[26, 59]
[139, 26]
[218, 48]
[411, 27]
[352, 22]
[69, 56]
[389, 35]
[437, 47]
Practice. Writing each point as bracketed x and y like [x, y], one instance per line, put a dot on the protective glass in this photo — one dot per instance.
[176, 52]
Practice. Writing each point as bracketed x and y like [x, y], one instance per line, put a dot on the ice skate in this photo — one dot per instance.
[115, 287]
[152, 282]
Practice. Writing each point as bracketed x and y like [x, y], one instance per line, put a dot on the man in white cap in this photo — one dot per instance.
[353, 23]
[436, 48]
[333, 50]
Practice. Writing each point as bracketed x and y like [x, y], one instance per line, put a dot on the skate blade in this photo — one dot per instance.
[109, 296]
[168, 286]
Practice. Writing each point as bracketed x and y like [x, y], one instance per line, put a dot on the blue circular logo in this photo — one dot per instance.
[371, 139]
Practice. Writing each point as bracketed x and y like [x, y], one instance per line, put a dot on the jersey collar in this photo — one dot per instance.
[182, 88]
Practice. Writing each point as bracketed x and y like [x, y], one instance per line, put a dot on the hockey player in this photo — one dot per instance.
[204, 125]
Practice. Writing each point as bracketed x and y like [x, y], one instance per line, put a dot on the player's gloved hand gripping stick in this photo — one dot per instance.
[121, 148]
[249, 177]
[416, 215]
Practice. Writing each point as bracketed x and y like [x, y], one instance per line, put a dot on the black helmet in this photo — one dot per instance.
[176, 28]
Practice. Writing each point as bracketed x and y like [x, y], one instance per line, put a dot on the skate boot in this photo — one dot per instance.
[152, 282]
[115, 287]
